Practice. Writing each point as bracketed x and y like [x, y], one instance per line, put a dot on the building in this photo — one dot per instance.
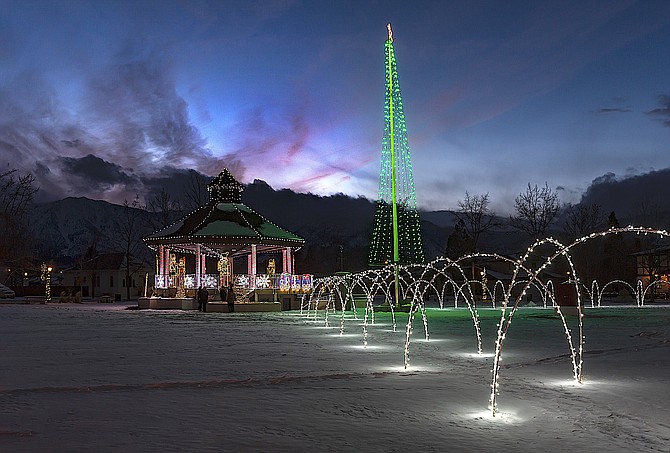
[653, 266]
[104, 276]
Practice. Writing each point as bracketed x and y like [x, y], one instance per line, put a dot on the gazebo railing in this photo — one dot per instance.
[163, 281]
[283, 282]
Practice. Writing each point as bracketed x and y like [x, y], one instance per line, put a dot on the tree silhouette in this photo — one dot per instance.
[536, 209]
[131, 229]
[476, 217]
[16, 195]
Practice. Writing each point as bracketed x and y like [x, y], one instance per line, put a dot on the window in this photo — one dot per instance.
[111, 281]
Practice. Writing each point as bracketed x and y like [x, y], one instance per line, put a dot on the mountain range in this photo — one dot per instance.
[337, 229]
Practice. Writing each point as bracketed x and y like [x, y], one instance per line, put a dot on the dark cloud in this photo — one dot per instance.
[567, 193]
[172, 180]
[72, 143]
[607, 178]
[662, 113]
[617, 105]
[629, 195]
[95, 171]
[613, 110]
[49, 187]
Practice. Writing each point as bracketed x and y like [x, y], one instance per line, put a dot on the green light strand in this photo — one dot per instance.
[391, 59]
[396, 216]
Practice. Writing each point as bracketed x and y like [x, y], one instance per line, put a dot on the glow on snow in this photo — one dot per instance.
[416, 280]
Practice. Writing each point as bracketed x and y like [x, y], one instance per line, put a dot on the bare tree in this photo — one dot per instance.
[16, 192]
[16, 195]
[476, 216]
[195, 191]
[583, 219]
[166, 208]
[131, 229]
[649, 214]
[536, 209]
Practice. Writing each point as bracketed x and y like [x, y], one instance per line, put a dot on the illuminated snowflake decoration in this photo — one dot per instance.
[209, 280]
[189, 281]
[243, 281]
[262, 281]
[159, 281]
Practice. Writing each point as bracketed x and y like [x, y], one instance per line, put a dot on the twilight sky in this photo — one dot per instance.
[107, 99]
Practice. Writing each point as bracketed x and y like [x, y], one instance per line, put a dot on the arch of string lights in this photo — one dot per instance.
[437, 277]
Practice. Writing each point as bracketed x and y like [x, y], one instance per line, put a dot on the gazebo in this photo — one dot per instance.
[223, 230]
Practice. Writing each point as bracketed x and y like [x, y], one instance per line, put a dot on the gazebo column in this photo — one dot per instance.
[287, 265]
[160, 264]
[166, 267]
[251, 265]
[231, 271]
[198, 270]
[203, 266]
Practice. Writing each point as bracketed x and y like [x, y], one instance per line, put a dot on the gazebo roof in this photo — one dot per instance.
[225, 224]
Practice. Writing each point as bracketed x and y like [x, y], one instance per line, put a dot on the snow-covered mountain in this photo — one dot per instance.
[337, 228]
[66, 228]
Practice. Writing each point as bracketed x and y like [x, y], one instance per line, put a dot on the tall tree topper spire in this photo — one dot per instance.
[396, 235]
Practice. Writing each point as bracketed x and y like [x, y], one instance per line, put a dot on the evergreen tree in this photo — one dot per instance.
[459, 242]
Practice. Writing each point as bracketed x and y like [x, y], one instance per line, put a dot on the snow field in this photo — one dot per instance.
[101, 378]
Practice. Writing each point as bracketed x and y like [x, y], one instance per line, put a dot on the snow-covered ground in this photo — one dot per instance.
[96, 377]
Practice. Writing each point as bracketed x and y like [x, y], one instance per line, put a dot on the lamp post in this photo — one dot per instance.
[341, 257]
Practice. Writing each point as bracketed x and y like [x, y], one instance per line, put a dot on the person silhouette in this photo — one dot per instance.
[203, 295]
[230, 298]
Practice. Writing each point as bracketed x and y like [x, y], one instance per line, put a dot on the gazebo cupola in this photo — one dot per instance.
[225, 188]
